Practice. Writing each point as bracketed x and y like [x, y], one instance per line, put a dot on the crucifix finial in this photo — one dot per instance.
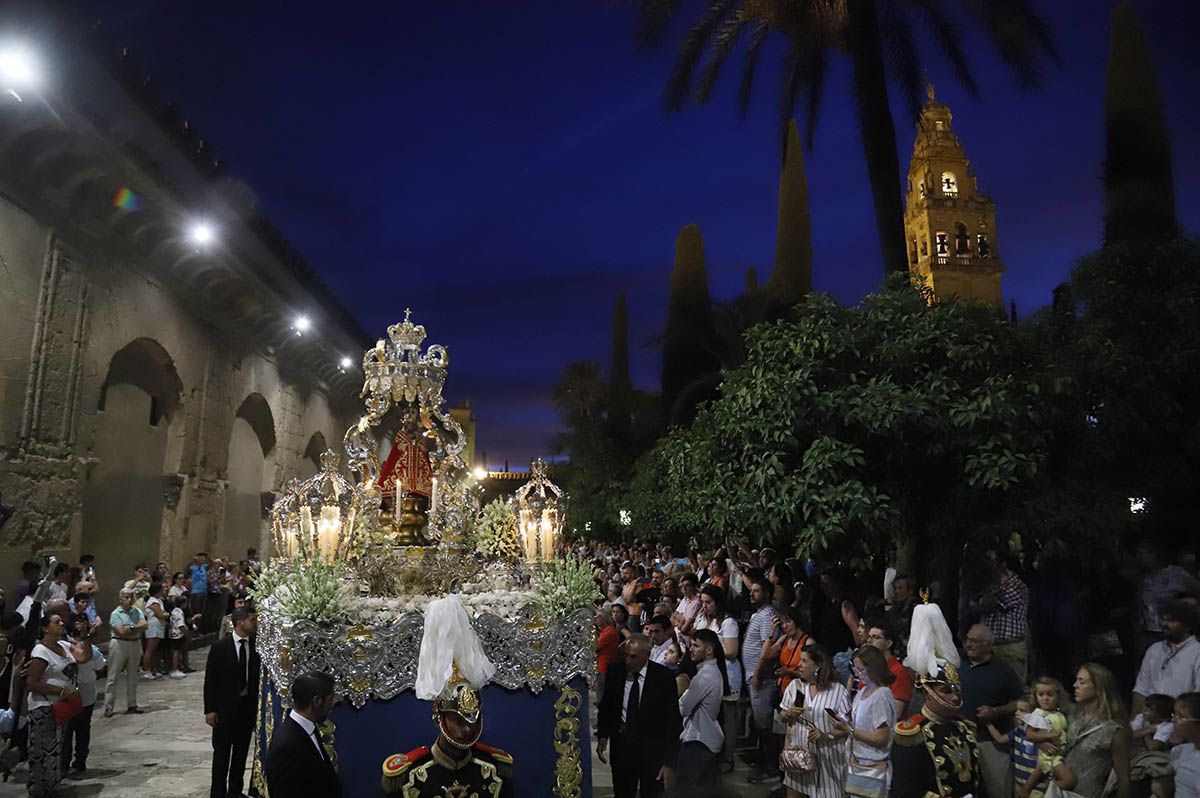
[929, 91]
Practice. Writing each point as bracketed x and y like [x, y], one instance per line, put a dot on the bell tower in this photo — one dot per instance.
[950, 227]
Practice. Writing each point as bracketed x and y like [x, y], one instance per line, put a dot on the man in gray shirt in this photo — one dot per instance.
[702, 737]
[763, 693]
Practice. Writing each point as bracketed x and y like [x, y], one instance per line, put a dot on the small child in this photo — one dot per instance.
[1023, 752]
[1153, 728]
[177, 634]
[1050, 697]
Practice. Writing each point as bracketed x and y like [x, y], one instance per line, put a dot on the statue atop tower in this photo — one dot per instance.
[949, 225]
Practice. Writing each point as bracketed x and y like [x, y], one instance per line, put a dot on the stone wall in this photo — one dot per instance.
[125, 415]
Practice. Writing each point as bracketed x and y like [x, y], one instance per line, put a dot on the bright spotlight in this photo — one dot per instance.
[302, 324]
[202, 234]
[480, 472]
[346, 363]
[18, 67]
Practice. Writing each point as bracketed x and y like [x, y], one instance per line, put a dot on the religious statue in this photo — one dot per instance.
[406, 484]
[451, 670]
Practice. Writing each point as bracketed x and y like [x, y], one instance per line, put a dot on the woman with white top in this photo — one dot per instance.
[805, 708]
[700, 707]
[873, 714]
[714, 617]
[156, 629]
[51, 678]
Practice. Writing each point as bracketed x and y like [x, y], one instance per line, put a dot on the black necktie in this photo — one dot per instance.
[631, 709]
[244, 678]
[320, 744]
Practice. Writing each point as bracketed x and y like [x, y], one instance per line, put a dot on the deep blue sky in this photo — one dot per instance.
[504, 168]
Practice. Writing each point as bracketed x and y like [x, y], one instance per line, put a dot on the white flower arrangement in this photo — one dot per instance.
[384, 610]
[563, 586]
[497, 536]
[311, 591]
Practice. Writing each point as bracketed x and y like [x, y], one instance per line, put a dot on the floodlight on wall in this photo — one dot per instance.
[18, 69]
[302, 324]
[480, 473]
[346, 362]
[202, 234]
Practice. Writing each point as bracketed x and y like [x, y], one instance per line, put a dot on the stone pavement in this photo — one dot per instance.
[167, 751]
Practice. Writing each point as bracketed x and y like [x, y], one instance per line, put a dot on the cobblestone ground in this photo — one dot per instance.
[167, 751]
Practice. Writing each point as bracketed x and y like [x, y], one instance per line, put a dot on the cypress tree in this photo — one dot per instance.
[751, 280]
[1139, 200]
[619, 388]
[791, 276]
[686, 358]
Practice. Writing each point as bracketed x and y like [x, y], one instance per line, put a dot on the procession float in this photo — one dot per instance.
[388, 576]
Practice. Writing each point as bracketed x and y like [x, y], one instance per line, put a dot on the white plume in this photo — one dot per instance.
[929, 640]
[449, 638]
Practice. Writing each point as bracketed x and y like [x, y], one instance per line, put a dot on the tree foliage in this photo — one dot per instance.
[852, 425]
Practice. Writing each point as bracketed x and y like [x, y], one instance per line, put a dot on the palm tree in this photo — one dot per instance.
[877, 36]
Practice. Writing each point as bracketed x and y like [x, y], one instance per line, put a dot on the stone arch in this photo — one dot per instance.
[310, 462]
[139, 415]
[248, 476]
[962, 240]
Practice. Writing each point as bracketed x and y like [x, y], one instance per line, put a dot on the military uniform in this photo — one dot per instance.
[428, 772]
[934, 758]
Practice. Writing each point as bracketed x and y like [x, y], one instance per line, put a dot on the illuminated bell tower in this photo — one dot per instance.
[949, 226]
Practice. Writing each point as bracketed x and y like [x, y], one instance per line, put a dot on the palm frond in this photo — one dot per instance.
[902, 56]
[1020, 34]
[945, 33]
[805, 66]
[679, 87]
[722, 45]
[750, 66]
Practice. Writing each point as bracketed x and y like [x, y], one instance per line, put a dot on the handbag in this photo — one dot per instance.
[797, 760]
[867, 779]
[67, 708]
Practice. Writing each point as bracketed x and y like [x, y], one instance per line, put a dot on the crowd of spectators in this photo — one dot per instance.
[811, 658]
[57, 642]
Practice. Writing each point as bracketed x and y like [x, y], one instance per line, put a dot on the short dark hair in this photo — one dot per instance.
[30, 567]
[140, 567]
[81, 596]
[1183, 611]
[155, 588]
[689, 577]
[881, 623]
[310, 685]
[1161, 703]
[656, 620]
[87, 558]
[1191, 703]
[242, 613]
[62, 567]
[11, 620]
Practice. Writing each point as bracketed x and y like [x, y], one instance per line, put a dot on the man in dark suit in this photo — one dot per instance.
[230, 701]
[298, 764]
[639, 713]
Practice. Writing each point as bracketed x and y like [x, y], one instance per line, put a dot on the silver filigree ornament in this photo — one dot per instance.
[380, 662]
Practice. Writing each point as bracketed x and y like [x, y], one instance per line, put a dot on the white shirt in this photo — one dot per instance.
[1186, 760]
[309, 727]
[1170, 670]
[641, 680]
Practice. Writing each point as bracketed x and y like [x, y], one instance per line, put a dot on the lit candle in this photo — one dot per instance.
[327, 532]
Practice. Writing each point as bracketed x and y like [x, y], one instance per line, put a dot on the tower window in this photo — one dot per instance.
[962, 240]
[982, 247]
[949, 184]
[921, 188]
[924, 247]
[941, 244]
[912, 251]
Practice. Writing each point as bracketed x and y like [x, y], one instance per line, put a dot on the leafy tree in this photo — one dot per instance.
[855, 427]
[878, 38]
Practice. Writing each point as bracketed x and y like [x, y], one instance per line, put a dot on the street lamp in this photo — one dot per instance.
[202, 234]
[18, 69]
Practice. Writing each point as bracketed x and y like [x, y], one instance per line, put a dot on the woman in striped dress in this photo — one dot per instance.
[805, 708]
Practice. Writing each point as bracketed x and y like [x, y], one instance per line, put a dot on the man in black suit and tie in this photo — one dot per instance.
[230, 701]
[639, 713]
[298, 766]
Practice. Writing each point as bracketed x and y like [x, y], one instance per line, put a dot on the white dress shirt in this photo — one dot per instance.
[309, 729]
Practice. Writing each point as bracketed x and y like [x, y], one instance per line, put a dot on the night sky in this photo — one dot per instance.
[504, 168]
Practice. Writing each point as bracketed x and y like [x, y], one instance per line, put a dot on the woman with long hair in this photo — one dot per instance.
[50, 679]
[702, 738]
[806, 708]
[714, 616]
[872, 716]
[1099, 741]
[788, 646]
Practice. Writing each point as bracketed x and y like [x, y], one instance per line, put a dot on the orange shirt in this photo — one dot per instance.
[606, 647]
[902, 687]
[789, 657]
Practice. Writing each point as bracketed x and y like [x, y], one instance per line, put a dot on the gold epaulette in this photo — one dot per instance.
[908, 731]
[495, 753]
[396, 764]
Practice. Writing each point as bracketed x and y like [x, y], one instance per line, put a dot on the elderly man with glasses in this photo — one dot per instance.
[990, 691]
